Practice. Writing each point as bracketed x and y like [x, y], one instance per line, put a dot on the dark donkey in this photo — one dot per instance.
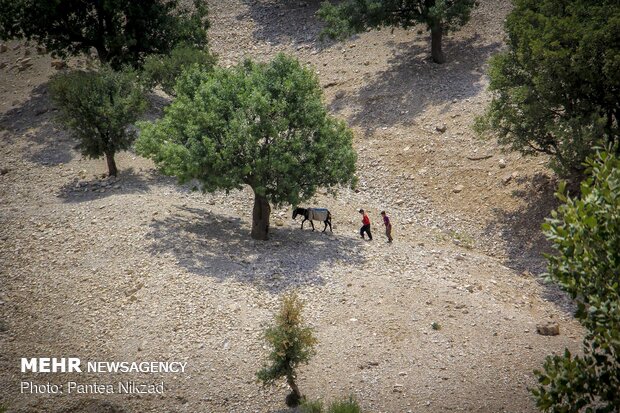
[316, 214]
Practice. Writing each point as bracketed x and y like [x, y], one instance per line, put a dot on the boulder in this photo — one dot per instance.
[549, 328]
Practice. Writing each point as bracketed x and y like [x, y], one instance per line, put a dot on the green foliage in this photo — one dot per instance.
[98, 107]
[292, 344]
[262, 125]
[345, 406]
[586, 234]
[307, 406]
[355, 16]
[556, 89]
[435, 325]
[122, 32]
[164, 69]
[349, 405]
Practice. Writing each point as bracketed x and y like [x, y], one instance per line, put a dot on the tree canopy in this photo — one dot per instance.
[99, 107]
[585, 231]
[556, 88]
[355, 16]
[122, 32]
[259, 124]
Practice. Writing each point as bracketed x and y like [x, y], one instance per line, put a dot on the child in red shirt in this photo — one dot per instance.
[365, 225]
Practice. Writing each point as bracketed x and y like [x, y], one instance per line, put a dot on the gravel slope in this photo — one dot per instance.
[139, 268]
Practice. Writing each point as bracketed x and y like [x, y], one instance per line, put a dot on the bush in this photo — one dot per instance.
[292, 344]
[586, 234]
[308, 406]
[163, 70]
[345, 406]
[339, 406]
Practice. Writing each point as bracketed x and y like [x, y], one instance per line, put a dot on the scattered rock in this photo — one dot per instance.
[506, 179]
[4, 171]
[340, 94]
[549, 328]
[502, 163]
[279, 223]
[58, 64]
[457, 189]
[441, 128]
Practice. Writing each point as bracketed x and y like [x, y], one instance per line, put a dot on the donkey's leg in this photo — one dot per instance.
[325, 222]
[329, 221]
[312, 223]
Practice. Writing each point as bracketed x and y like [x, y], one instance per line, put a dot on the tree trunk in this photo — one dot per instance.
[112, 171]
[296, 394]
[436, 36]
[260, 217]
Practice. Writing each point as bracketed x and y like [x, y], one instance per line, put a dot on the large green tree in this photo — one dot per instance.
[99, 108]
[556, 88]
[585, 231]
[122, 32]
[439, 16]
[259, 124]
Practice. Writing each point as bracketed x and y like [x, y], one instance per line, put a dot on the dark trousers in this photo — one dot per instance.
[366, 229]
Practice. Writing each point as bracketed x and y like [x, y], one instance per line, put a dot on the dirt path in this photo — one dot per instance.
[141, 269]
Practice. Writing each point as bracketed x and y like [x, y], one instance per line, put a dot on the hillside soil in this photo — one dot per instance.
[138, 268]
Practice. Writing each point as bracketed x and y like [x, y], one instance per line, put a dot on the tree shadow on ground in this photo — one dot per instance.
[521, 232]
[296, 21]
[127, 182]
[412, 83]
[220, 247]
[520, 229]
[32, 124]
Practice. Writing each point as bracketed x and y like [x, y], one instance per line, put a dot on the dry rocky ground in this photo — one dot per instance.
[138, 268]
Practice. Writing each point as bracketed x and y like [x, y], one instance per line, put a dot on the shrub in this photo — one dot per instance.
[586, 233]
[292, 344]
[163, 70]
[345, 406]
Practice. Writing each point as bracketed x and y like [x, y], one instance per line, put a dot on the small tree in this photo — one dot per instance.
[556, 88]
[99, 107]
[164, 70]
[586, 233]
[439, 16]
[292, 344]
[122, 32]
[262, 125]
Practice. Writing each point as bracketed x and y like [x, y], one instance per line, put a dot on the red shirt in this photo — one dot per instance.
[365, 220]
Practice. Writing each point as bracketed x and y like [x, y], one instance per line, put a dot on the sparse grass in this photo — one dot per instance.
[461, 239]
[349, 405]
[345, 406]
[436, 325]
[311, 406]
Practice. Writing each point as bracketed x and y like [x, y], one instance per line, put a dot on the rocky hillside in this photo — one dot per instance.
[139, 268]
